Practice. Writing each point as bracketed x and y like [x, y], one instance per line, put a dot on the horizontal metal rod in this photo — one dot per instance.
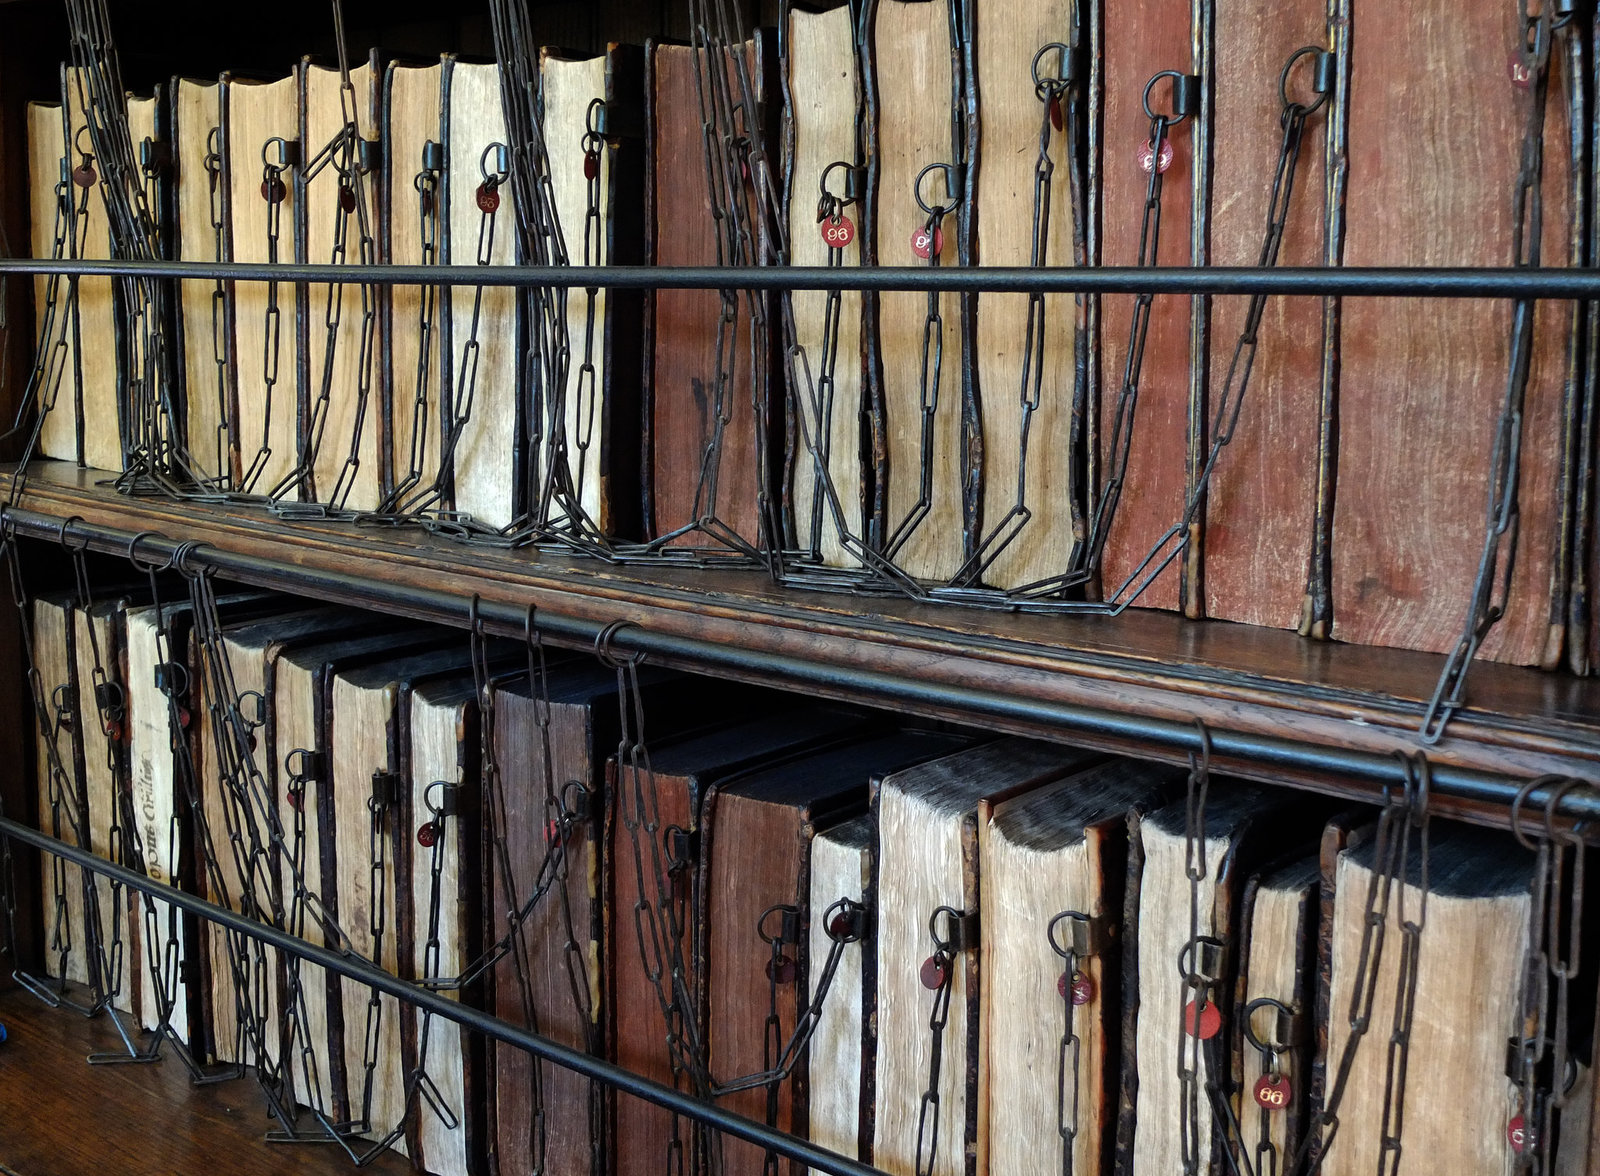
[1364, 767]
[364, 972]
[1409, 282]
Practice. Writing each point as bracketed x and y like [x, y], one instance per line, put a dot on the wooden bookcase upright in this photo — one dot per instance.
[1283, 710]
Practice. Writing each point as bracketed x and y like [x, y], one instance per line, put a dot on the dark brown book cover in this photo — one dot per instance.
[1422, 382]
[1141, 39]
[683, 400]
[1260, 509]
[569, 992]
[655, 859]
[755, 853]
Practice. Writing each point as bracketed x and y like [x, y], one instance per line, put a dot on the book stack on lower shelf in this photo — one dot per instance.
[924, 948]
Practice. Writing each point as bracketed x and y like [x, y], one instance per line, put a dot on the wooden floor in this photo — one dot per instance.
[60, 1116]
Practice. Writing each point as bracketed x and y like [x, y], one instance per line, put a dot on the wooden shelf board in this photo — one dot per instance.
[1153, 664]
[64, 1117]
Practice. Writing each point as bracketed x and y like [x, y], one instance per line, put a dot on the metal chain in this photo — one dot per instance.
[938, 973]
[1491, 593]
[273, 193]
[1176, 539]
[221, 337]
[1057, 94]
[1402, 820]
[1074, 937]
[1538, 1059]
[928, 244]
[1199, 962]
[426, 183]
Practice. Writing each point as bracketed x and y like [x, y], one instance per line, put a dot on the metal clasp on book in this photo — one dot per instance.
[1290, 1027]
[385, 789]
[960, 929]
[1077, 935]
[1185, 96]
[1204, 953]
[788, 924]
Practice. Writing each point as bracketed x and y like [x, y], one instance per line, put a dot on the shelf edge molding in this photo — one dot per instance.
[1370, 772]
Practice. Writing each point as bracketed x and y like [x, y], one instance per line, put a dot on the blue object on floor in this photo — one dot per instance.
[2, 1033]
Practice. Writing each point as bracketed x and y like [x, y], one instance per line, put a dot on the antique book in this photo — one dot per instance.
[1472, 959]
[100, 411]
[823, 109]
[756, 832]
[99, 657]
[413, 222]
[1272, 1050]
[1262, 500]
[1243, 826]
[708, 419]
[251, 648]
[205, 309]
[62, 806]
[658, 877]
[916, 89]
[371, 868]
[48, 216]
[1027, 352]
[840, 1068]
[928, 884]
[299, 707]
[342, 392]
[1422, 382]
[597, 162]
[164, 756]
[568, 991]
[444, 839]
[1053, 868]
[1154, 36]
[486, 457]
[263, 154]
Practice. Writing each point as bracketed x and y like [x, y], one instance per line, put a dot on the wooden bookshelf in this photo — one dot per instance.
[1141, 664]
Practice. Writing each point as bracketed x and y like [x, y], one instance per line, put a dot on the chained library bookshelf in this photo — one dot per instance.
[894, 427]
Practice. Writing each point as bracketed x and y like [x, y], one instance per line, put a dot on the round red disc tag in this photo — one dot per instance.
[1517, 1134]
[920, 242]
[1145, 153]
[488, 198]
[1521, 73]
[1273, 1094]
[273, 191]
[591, 165]
[933, 972]
[838, 231]
[1082, 987]
[1204, 1025]
[783, 972]
[84, 176]
[427, 835]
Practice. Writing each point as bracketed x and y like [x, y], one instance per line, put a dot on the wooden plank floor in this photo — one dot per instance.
[60, 1116]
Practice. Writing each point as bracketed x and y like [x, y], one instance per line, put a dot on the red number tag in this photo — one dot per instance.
[1145, 153]
[273, 191]
[920, 242]
[1273, 1095]
[1521, 72]
[84, 176]
[347, 198]
[1057, 118]
[1203, 1024]
[781, 970]
[1517, 1134]
[591, 164]
[838, 232]
[1083, 989]
[933, 972]
[427, 835]
[488, 198]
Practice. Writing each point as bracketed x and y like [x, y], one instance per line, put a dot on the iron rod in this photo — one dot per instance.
[1370, 768]
[362, 971]
[1344, 281]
